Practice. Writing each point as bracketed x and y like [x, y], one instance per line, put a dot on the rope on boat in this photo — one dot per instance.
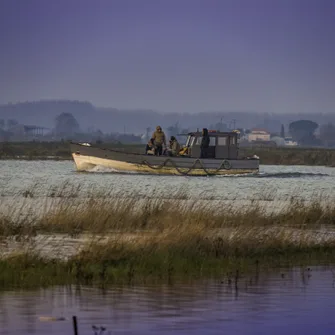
[225, 165]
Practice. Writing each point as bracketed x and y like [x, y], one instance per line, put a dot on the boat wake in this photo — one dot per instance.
[277, 175]
[102, 169]
[292, 175]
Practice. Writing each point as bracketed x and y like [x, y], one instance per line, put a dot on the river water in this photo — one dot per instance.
[273, 182]
[289, 301]
[285, 302]
[35, 186]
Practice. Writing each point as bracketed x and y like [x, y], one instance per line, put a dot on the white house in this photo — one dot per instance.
[289, 142]
[258, 134]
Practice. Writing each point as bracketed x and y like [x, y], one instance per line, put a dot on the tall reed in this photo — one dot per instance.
[127, 238]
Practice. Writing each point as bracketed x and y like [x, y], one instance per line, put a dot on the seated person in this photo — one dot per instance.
[150, 148]
[174, 147]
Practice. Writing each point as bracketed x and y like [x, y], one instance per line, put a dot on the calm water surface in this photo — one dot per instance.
[287, 302]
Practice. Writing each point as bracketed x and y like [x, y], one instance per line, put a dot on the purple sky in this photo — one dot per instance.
[171, 55]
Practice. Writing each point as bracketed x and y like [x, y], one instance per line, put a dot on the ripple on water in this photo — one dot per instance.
[273, 182]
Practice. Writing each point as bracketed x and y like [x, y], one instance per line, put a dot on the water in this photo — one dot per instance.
[274, 188]
[291, 302]
[273, 183]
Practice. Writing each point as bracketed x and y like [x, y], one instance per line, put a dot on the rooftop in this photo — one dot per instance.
[210, 133]
[256, 130]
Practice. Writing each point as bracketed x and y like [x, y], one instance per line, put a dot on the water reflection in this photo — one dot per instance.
[291, 301]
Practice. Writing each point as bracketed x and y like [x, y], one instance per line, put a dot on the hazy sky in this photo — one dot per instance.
[171, 55]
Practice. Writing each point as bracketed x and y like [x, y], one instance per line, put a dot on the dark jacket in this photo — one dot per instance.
[205, 139]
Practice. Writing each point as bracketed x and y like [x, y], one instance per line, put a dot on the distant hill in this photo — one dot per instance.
[43, 113]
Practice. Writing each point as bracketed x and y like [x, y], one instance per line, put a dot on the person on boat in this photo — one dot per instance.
[159, 140]
[174, 147]
[204, 143]
[150, 148]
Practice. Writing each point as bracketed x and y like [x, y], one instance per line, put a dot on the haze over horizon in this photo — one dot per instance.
[171, 56]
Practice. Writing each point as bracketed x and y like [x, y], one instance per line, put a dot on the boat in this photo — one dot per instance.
[222, 158]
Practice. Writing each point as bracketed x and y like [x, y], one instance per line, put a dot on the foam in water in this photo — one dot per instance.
[275, 175]
[290, 175]
[103, 169]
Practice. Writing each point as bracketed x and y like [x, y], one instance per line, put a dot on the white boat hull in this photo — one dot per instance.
[86, 163]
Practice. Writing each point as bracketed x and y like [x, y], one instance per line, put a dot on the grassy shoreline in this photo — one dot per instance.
[25, 271]
[268, 156]
[159, 240]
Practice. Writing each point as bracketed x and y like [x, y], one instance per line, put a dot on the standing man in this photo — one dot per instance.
[204, 143]
[159, 140]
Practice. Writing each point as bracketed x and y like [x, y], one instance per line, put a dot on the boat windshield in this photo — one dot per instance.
[190, 141]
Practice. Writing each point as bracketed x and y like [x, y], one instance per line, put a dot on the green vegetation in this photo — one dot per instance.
[130, 240]
[268, 156]
[34, 150]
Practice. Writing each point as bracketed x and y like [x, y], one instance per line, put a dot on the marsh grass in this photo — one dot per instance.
[27, 270]
[165, 257]
[147, 239]
[128, 214]
[69, 209]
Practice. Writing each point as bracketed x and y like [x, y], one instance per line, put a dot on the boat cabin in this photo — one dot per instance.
[222, 145]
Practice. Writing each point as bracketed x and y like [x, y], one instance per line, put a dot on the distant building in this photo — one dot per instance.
[34, 130]
[289, 142]
[258, 134]
[280, 142]
[20, 132]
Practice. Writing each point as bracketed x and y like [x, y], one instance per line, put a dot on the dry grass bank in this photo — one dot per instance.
[69, 212]
[167, 256]
[132, 239]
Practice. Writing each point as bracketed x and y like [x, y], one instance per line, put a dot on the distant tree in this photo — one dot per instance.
[2, 123]
[66, 124]
[302, 131]
[282, 131]
[11, 123]
[327, 134]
